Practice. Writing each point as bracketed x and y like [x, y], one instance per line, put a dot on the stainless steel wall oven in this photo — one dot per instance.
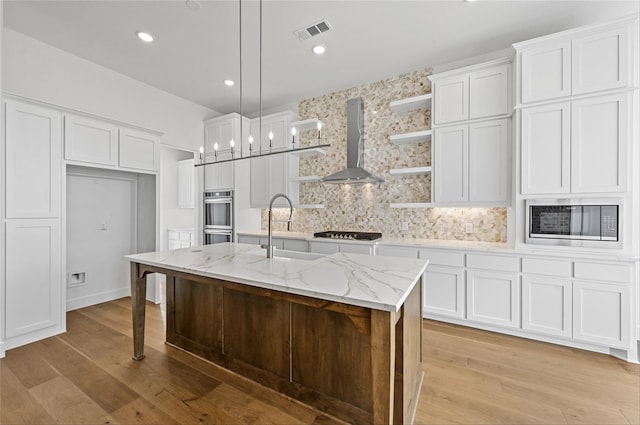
[218, 217]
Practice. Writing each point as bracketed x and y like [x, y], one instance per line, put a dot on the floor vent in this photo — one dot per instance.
[312, 30]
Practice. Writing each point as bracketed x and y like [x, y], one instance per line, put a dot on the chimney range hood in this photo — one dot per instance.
[354, 173]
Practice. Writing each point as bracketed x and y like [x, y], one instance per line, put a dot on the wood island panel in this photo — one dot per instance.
[359, 364]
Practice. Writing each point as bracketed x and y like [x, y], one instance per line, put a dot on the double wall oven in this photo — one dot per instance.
[218, 217]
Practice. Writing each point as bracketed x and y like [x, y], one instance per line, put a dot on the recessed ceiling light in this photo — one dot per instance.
[229, 83]
[145, 36]
[319, 49]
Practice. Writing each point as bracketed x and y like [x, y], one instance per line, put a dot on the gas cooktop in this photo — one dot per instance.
[334, 234]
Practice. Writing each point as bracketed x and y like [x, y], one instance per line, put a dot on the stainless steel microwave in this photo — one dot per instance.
[574, 222]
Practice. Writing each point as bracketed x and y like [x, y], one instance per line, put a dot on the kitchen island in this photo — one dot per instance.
[342, 332]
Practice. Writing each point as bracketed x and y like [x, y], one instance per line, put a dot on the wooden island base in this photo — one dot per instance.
[359, 364]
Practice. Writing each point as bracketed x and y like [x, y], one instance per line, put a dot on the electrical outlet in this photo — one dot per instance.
[404, 226]
[468, 227]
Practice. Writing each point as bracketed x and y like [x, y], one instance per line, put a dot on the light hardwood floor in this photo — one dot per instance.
[86, 376]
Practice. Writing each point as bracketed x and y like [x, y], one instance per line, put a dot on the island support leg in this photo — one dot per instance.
[383, 359]
[138, 300]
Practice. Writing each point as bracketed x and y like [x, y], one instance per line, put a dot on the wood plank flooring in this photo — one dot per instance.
[86, 376]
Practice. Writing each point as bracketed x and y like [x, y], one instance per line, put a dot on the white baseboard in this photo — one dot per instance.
[98, 298]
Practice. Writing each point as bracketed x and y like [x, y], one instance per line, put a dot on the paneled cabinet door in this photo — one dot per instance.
[451, 164]
[546, 149]
[546, 305]
[545, 72]
[600, 61]
[444, 293]
[488, 161]
[493, 298]
[186, 184]
[32, 161]
[451, 99]
[138, 150]
[89, 140]
[33, 280]
[489, 92]
[599, 140]
[602, 313]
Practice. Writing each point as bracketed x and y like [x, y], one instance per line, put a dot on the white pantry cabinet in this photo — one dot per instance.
[33, 277]
[474, 92]
[270, 174]
[471, 163]
[576, 147]
[90, 140]
[186, 183]
[32, 161]
[576, 62]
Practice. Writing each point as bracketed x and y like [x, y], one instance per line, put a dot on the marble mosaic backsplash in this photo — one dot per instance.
[366, 207]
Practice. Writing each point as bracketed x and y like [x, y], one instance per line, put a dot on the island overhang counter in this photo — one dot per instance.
[342, 333]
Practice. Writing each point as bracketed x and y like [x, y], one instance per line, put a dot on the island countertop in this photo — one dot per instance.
[377, 282]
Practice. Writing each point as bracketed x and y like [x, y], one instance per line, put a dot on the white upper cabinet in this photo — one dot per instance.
[599, 143]
[186, 184]
[474, 92]
[138, 150]
[600, 61]
[546, 72]
[471, 163]
[576, 147]
[575, 62]
[89, 140]
[221, 131]
[33, 161]
[451, 99]
[546, 149]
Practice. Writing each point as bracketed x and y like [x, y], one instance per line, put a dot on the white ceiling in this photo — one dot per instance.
[196, 50]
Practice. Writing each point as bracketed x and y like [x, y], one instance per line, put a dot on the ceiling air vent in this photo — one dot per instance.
[312, 30]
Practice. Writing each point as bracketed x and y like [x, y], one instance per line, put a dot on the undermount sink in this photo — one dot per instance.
[283, 253]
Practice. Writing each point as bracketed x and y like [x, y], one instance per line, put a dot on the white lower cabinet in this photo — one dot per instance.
[602, 313]
[546, 305]
[444, 291]
[180, 239]
[493, 298]
[33, 276]
[333, 247]
[289, 244]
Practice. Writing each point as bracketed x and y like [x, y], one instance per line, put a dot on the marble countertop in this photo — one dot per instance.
[378, 282]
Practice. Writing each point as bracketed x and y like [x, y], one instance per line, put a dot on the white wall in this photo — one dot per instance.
[39, 71]
[101, 229]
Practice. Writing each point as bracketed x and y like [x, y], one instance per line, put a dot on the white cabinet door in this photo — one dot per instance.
[493, 298]
[299, 245]
[545, 72]
[259, 186]
[600, 61]
[451, 99]
[33, 277]
[444, 291]
[546, 149]
[89, 140]
[599, 139]
[451, 164]
[138, 150]
[489, 92]
[488, 161]
[32, 161]
[186, 184]
[546, 305]
[602, 313]
[220, 131]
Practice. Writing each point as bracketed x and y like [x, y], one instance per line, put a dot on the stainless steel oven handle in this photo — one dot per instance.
[217, 200]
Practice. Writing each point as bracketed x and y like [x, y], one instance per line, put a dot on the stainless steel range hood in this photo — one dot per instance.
[354, 173]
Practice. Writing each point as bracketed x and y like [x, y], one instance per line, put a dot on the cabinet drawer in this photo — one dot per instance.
[442, 258]
[546, 267]
[493, 262]
[173, 235]
[397, 251]
[253, 240]
[323, 247]
[295, 245]
[185, 236]
[356, 248]
[620, 273]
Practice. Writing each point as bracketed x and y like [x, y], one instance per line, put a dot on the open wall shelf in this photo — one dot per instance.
[422, 101]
